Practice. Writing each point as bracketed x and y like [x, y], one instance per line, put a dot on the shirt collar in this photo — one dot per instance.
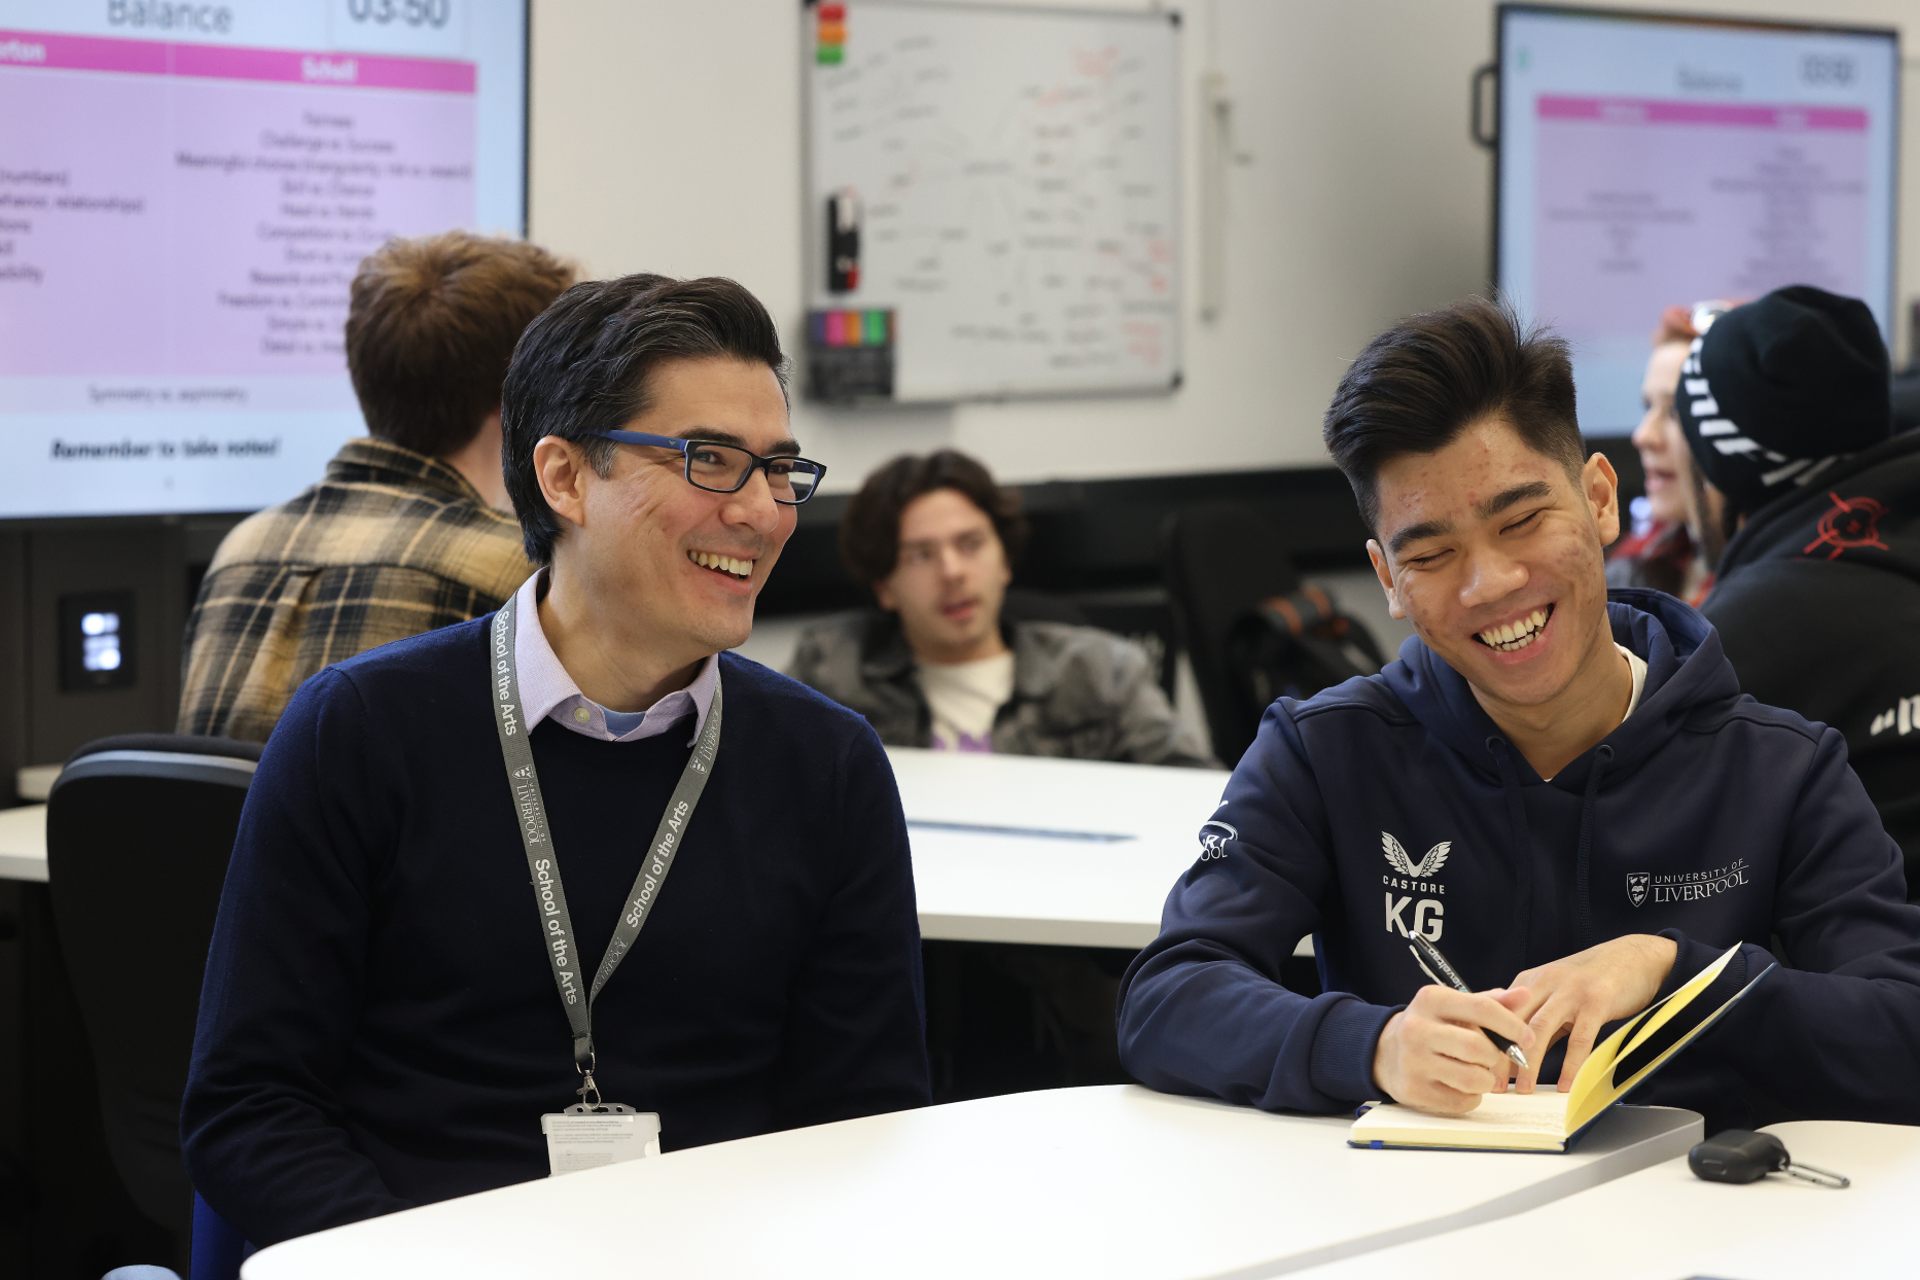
[547, 691]
[371, 460]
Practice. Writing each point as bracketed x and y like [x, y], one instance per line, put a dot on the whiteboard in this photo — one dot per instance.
[1013, 178]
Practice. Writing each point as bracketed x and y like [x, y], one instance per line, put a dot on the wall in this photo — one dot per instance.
[153, 559]
[667, 137]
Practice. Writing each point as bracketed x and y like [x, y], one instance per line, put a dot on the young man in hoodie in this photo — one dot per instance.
[1567, 793]
[1785, 404]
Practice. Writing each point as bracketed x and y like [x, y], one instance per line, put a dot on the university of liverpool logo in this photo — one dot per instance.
[1670, 887]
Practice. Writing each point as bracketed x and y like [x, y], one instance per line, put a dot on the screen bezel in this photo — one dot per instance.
[1692, 19]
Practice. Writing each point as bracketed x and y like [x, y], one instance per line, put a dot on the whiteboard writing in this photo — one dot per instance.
[1014, 177]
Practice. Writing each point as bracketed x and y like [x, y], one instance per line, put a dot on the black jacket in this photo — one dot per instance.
[1818, 605]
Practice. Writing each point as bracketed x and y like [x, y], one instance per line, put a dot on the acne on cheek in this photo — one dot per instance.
[1575, 562]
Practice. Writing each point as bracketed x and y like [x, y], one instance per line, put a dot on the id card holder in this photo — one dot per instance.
[589, 1136]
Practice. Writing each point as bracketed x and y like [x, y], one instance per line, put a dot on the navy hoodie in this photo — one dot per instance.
[1392, 803]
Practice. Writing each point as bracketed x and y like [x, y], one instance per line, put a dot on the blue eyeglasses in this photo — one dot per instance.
[726, 468]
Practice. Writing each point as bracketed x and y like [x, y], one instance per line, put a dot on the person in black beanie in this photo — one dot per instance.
[1785, 405]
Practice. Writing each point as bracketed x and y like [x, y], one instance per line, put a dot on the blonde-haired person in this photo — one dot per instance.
[1675, 549]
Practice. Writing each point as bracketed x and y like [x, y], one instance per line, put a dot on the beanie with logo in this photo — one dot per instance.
[1775, 392]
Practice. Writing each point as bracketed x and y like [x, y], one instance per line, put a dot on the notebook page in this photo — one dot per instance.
[1543, 1112]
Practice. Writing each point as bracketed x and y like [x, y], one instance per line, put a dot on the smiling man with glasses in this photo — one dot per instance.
[449, 913]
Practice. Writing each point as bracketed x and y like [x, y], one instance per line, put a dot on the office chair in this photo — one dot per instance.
[1024, 604]
[1220, 559]
[1906, 398]
[139, 829]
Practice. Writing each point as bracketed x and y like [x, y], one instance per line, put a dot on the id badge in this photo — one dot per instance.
[589, 1137]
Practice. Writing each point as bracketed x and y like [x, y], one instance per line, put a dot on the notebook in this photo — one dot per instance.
[1548, 1120]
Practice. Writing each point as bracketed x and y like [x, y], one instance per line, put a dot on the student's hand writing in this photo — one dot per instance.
[1434, 1054]
[1576, 996]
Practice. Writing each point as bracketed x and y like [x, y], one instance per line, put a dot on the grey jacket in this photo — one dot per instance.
[1077, 691]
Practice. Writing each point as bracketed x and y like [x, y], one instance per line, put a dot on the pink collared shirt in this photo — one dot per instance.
[546, 690]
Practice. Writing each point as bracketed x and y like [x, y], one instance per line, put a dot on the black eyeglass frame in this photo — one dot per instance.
[685, 446]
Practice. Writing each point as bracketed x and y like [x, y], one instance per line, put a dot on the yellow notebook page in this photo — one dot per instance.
[1593, 1090]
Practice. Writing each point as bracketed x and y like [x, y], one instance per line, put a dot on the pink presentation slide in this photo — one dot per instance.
[182, 209]
[1644, 199]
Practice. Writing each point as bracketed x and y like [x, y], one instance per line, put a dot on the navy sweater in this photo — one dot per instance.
[379, 1026]
[1705, 817]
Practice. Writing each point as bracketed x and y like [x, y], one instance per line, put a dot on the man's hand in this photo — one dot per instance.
[1576, 996]
[1434, 1054]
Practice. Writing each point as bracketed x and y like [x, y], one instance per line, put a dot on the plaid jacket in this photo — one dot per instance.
[391, 543]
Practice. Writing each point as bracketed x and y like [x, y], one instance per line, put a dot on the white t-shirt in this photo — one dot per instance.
[964, 699]
[1638, 665]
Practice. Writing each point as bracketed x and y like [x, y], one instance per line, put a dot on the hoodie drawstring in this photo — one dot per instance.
[1582, 904]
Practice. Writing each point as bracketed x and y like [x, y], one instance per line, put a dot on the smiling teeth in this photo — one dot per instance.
[1515, 635]
[726, 564]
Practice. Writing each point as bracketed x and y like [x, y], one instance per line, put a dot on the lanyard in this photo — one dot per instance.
[556, 924]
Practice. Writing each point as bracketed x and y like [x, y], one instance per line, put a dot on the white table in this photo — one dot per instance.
[23, 843]
[1005, 848]
[1069, 852]
[35, 781]
[1061, 796]
[1114, 1181]
[1663, 1221]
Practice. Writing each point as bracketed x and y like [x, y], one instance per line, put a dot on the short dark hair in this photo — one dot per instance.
[1417, 386]
[870, 529]
[430, 327]
[583, 367]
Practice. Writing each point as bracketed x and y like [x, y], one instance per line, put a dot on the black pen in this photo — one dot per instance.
[1429, 958]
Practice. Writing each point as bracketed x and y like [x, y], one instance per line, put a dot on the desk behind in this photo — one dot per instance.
[1090, 799]
[35, 781]
[23, 843]
[1111, 1181]
[978, 887]
[1064, 852]
[1005, 849]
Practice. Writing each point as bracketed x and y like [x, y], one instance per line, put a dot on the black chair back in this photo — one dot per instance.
[1221, 559]
[1024, 604]
[139, 829]
[1906, 398]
